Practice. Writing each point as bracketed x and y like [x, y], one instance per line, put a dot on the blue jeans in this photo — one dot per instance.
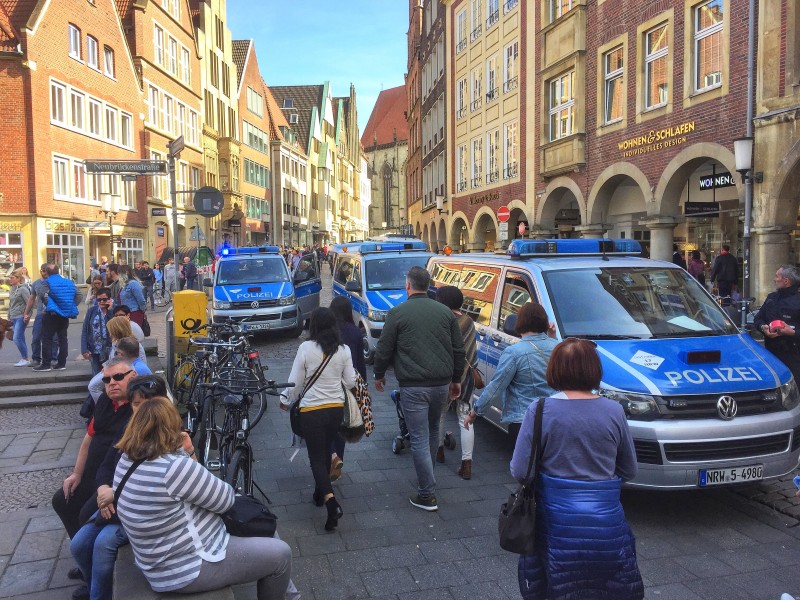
[148, 293]
[94, 548]
[19, 336]
[422, 407]
[36, 339]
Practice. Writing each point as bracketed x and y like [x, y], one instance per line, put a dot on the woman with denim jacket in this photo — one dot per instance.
[131, 293]
[520, 375]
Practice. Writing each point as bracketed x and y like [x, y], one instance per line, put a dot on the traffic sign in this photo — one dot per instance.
[176, 145]
[521, 228]
[503, 230]
[139, 167]
[503, 214]
[208, 201]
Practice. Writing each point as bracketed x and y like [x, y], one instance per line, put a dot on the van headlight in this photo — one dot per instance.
[220, 305]
[638, 407]
[286, 300]
[377, 316]
[790, 397]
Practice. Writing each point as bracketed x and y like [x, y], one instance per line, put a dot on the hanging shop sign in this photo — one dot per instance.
[701, 209]
[716, 181]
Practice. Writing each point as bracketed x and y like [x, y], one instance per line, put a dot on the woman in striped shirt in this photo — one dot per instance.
[170, 510]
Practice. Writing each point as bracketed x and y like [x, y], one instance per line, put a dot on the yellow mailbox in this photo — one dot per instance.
[189, 314]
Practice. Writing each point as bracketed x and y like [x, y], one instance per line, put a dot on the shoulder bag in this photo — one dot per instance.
[145, 326]
[477, 379]
[249, 517]
[352, 428]
[517, 522]
[114, 519]
[294, 409]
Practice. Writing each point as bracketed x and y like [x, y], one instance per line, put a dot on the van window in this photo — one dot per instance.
[390, 273]
[305, 269]
[478, 284]
[633, 302]
[344, 270]
[516, 293]
[252, 270]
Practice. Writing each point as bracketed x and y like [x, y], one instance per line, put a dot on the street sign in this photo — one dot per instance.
[139, 167]
[116, 239]
[503, 214]
[503, 230]
[521, 228]
[129, 177]
[176, 145]
[158, 212]
[208, 201]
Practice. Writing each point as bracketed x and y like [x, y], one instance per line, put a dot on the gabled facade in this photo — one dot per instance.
[76, 96]
[412, 170]
[290, 175]
[255, 183]
[386, 146]
[220, 138]
[348, 154]
[162, 39]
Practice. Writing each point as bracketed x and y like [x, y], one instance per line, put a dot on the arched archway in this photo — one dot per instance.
[618, 203]
[161, 240]
[484, 231]
[458, 238]
[561, 209]
[425, 236]
[433, 242]
[442, 239]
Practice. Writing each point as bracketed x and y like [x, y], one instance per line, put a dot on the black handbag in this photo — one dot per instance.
[248, 517]
[294, 409]
[114, 519]
[517, 522]
[145, 326]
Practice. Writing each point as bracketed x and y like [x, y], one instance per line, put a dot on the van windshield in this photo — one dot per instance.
[633, 302]
[390, 273]
[252, 270]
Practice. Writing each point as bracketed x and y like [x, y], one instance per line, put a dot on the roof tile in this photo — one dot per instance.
[304, 98]
[387, 119]
[240, 48]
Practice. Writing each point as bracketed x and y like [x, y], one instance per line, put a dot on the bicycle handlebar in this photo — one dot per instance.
[197, 342]
[271, 388]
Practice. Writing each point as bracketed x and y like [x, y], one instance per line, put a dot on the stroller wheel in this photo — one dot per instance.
[449, 441]
[397, 445]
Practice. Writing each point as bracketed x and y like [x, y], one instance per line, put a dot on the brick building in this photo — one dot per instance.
[412, 170]
[70, 92]
[256, 182]
[165, 53]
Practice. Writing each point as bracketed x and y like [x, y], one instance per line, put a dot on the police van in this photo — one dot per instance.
[255, 282]
[372, 275]
[706, 404]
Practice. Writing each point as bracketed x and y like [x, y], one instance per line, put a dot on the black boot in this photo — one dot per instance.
[334, 514]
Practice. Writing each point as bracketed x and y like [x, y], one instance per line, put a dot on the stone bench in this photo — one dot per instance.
[130, 583]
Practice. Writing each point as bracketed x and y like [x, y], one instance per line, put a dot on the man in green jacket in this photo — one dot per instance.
[421, 337]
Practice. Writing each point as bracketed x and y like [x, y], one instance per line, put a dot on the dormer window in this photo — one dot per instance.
[288, 103]
[293, 119]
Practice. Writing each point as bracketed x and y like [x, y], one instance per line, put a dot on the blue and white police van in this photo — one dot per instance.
[706, 404]
[372, 275]
[254, 282]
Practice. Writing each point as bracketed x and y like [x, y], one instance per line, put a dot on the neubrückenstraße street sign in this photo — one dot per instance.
[140, 167]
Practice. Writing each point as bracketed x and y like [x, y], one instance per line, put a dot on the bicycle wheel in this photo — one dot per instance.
[238, 473]
[162, 296]
[182, 382]
[207, 446]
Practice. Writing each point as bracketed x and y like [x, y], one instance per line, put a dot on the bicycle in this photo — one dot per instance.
[739, 311]
[162, 296]
[235, 463]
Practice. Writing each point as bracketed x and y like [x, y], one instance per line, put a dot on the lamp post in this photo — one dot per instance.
[743, 152]
[110, 206]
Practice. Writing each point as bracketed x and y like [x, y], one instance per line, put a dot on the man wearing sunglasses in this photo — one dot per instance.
[95, 340]
[111, 414]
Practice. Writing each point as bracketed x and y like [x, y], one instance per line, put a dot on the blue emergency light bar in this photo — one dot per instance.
[250, 250]
[582, 247]
[369, 247]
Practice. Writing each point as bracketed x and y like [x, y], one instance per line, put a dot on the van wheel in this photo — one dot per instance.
[298, 330]
[369, 355]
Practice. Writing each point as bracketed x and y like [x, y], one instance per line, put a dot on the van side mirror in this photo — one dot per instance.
[353, 286]
[207, 282]
[510, 325]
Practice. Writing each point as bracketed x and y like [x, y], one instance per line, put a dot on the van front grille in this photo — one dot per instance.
[647, 452]
[704, 406]
[727, 449]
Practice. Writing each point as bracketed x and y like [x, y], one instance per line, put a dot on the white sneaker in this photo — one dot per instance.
[23, 362]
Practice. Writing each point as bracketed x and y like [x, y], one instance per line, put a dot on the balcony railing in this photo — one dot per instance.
[493, 177]
[476, 104]
[476, 33]
[461, 112]
[476, 181]
[509, 6]
[510, 171]
[461, 45]
[511, 84]
[462, 186]
[493, 18]
[492, 95]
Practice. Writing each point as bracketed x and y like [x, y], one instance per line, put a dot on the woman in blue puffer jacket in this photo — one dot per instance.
[585, 548]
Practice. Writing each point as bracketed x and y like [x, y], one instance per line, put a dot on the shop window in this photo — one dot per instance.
[613, 87]
[562, 106]
[67, 251]
[709, 19]
[11, 256]
[655, 68]
[130, 250]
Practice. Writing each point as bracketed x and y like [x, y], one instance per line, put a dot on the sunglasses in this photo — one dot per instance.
[137, 385]
[116, 377]
[575, 339]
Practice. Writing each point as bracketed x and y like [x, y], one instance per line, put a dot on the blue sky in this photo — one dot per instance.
[303, 42]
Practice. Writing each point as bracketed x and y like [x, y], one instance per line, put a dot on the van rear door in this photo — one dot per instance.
[307, 284]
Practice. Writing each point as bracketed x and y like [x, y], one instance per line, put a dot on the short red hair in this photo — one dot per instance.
[574, 365]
